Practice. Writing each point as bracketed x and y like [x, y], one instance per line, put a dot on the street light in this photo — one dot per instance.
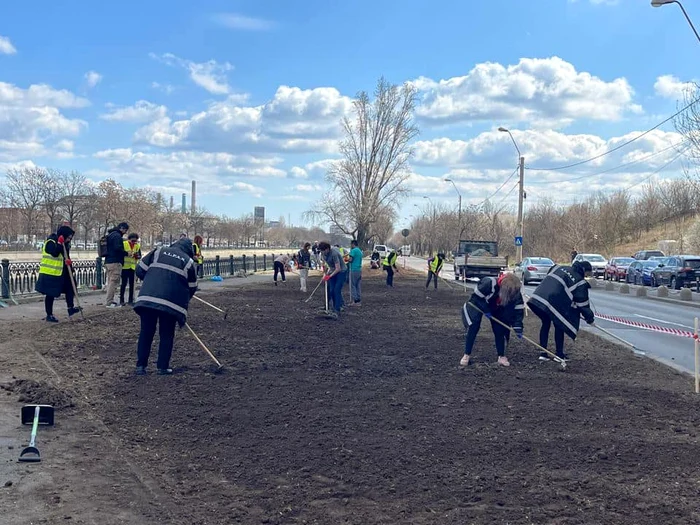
[434, 223]
[659, 3]
[459, 219]
[521, 193]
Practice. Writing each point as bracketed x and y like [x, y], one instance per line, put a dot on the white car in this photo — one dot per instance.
[381, 249]
[597, 261]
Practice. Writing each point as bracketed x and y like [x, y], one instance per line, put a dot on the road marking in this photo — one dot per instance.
[665, 322]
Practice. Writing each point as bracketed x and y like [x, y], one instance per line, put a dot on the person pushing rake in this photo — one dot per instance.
[500, 301]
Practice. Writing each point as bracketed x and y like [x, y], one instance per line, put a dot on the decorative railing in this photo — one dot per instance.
[19, 278]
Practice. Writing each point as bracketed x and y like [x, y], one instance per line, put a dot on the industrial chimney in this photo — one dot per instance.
[172, 202]
[184, 203]
[194, 196]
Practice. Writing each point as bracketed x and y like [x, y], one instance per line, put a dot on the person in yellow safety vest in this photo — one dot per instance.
[132, 247]
[389, 264]
[198, 257]
[434, 267]
[54, 278]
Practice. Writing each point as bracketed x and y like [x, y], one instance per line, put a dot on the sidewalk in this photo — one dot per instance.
[33, 307]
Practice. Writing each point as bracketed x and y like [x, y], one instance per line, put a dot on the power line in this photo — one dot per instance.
[616, 148]
[591, 175]
[674, 159]
[508, 194]
[499, 188]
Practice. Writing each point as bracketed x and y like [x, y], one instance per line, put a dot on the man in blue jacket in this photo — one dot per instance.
[169, 276]
[114, 261]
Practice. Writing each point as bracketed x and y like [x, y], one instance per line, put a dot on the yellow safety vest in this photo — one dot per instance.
[436, 265]
[390, 259]
[50, 265]
[130, 260]
[198, 257]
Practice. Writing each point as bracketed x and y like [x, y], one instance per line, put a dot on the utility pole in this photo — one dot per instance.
[521, 196]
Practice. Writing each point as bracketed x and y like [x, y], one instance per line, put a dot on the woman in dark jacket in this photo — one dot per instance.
[54, 278]
[496, 298]
[562, 299]
[169, 276]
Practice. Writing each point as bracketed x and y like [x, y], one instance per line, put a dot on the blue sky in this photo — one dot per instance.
[246, 97]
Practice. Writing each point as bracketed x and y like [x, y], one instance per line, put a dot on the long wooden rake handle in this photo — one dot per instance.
[510, 328]
[209, 304]
[72, 281]
[204, 347]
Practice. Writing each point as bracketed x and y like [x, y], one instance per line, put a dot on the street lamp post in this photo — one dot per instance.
[433, 227]
[459, 217]
[521, 193]
[659, 3]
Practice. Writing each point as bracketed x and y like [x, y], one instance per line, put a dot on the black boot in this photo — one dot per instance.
[51, 319]
[73, 310]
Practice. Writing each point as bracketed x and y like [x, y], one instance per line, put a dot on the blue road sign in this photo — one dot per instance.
[518, 241]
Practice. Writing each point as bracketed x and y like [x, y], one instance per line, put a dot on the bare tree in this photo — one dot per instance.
[376, 151]
[23, 193]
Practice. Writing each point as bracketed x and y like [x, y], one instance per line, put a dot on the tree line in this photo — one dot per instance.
[35, 201]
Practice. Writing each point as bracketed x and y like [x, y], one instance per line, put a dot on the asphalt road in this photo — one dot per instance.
[672, 350]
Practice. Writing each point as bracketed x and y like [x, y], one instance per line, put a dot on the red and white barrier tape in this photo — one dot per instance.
[645, 326]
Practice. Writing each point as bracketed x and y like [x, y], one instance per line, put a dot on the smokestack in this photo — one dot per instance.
[184, 203]
[194, 196]
[172, 202]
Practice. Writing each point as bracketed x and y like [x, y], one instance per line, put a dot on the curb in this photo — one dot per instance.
[668, 300]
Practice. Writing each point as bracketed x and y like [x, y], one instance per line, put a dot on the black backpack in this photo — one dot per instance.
[102, 246]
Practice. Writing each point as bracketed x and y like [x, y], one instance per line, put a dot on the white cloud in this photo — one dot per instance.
[209, 75]
[165, 88]
[92, 78]
[669, 86]
[295, 120]
[31, 117]
[141, 111]
[544, 149]
[298, 173]
[308, 187]
[546, 91]
[244, 23]
[6, 47]
[244, 187]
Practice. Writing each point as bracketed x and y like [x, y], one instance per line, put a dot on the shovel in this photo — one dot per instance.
[36, 414]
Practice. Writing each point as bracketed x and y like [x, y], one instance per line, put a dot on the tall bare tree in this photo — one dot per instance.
[375, 153]
[23, 193]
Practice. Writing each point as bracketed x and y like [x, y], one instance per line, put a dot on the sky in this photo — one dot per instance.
[246, 97]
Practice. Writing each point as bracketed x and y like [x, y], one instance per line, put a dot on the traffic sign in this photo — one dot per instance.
[518, 241]
[405, 233]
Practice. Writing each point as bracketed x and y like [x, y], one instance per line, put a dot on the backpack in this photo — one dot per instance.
[102, 246]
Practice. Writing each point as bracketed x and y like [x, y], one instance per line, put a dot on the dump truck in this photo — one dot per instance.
[478, 259]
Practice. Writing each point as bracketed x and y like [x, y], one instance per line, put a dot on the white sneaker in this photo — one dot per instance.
[465, 360]
[113, 305]
[503, 361]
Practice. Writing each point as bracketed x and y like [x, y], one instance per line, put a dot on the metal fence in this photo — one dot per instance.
[19, 278]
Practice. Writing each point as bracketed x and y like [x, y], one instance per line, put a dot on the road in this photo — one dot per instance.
[672, 350]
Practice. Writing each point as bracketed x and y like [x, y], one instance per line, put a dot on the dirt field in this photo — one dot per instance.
[366, 420]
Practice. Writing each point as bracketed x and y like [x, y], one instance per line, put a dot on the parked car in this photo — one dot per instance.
[533, 269]
[677, 271]
[639, 272]
[657, 258]
[382, 249]
[597, 261]
[616, 269]
[644, 255]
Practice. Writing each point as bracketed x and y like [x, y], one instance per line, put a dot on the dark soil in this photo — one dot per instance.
[39, 393]
[369, 420]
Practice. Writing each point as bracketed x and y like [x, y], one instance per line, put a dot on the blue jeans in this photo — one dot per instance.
[335, 290]
[355, 286]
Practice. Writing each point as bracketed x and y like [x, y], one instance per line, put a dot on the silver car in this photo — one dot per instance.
[533, 269]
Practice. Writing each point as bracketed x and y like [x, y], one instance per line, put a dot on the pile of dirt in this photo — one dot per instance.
[39, 393]
[369, 419]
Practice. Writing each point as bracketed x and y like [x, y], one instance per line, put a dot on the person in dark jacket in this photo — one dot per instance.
[54, 278]
[389, 264]
[562, 299]
[114, 261]
[169, 278]
[498, 298]
[574, 253]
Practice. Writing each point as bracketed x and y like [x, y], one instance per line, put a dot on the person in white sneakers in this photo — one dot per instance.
[303, 260]
[280, 265]
[498, 298]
